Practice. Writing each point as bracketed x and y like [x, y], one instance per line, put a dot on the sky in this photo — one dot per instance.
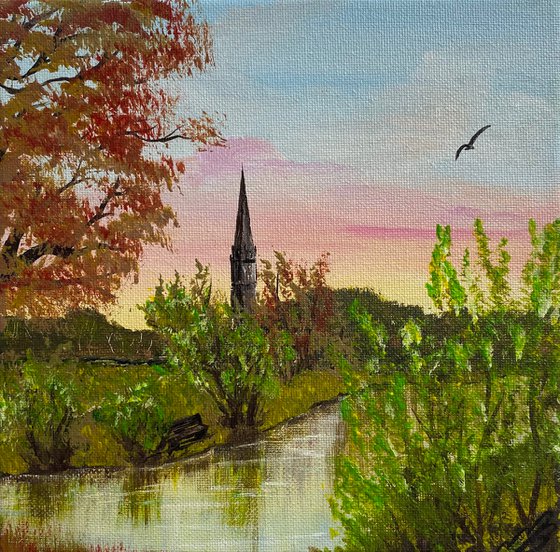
[346, 115]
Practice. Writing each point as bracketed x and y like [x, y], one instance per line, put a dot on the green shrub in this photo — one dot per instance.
[456, 449]
[41, 403]
[136, 419]
[225, 354]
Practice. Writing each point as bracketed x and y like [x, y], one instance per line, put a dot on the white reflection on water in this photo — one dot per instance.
[266, 496]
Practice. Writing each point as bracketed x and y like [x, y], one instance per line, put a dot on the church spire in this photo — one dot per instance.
[243, 257]
[243, 235]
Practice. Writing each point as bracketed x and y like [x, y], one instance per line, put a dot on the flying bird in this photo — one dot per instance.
[470, 145]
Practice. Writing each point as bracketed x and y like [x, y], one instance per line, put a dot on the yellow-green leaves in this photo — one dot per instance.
[541, 274]
[483, 284]
[225, 353]
[444, 287]
[374, 332]
[519, 338]
[456, 443]
[411, 334]
[136, 418]
[496, 272]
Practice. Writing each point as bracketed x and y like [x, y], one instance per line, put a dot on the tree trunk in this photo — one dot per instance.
[253, 410]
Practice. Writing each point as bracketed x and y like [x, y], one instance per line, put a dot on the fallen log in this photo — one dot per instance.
[541, 536]
[181, 434]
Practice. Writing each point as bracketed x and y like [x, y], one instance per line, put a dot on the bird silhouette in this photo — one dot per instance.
[470, 145]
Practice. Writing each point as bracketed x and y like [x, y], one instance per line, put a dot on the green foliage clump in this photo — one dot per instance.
[121, 412]
[224, 353]
[540, 275]
[38, 410]
[136, 419]
[456, 447]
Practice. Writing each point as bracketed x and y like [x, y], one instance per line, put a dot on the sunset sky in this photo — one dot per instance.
[346, 116]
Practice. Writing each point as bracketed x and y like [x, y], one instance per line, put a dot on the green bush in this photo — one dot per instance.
[456, 449]
[225, 354]
[136, 419]
[40, 405]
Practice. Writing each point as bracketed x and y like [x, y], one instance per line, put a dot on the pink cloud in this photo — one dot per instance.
[379, 234]
[383, 232]
[307, 208]
[254, 154]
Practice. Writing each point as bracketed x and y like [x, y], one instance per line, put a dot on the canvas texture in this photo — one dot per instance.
[279, 276]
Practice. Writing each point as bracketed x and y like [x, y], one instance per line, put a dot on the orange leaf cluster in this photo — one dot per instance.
[84, 123]
[297, 300]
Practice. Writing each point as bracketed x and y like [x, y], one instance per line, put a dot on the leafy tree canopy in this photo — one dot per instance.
[81, 97]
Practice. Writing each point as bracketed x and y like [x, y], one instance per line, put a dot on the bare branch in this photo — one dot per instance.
[162, 139]
[11, 246]
[34, 253]
[113, 192]
[37, 19]
[74, 180]
[37, 251]
[78, 76]
[70, 37]
[28, 26]
[35, 67]
[11, 90]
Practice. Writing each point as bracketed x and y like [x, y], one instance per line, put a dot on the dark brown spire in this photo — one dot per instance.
[243, 257]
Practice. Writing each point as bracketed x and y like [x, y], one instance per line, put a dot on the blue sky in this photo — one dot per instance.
[329, 80]
[335, 38]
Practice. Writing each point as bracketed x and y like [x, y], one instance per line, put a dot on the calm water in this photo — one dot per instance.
[266, 496]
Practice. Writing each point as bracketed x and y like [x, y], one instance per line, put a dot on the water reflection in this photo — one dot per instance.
[238, 485]
[45, 498]
[266, 496]
[141, 496]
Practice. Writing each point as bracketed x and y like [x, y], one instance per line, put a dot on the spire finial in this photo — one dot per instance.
[243, 234]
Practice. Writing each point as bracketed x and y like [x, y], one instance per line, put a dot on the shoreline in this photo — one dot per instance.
[254, 438]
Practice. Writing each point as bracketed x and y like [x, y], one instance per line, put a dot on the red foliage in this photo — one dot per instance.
[296, 299]
[22, 538]
[84, 99]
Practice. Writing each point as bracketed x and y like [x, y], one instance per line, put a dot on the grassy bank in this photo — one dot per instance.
[94, 443]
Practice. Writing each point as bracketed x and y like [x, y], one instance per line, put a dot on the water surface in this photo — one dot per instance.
[265, 496]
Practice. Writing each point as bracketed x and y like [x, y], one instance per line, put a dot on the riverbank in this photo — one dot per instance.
[192, 458]
[98, 451]
[285, 475]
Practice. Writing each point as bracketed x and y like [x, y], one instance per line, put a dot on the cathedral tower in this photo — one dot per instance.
[243, 257]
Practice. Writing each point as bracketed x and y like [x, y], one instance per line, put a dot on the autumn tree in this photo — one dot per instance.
[85, 119]
[296, 300]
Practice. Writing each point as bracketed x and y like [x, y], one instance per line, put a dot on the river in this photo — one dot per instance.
[270, 495]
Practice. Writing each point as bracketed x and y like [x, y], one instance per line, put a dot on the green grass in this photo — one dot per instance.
[302, 392]
[97, 447]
